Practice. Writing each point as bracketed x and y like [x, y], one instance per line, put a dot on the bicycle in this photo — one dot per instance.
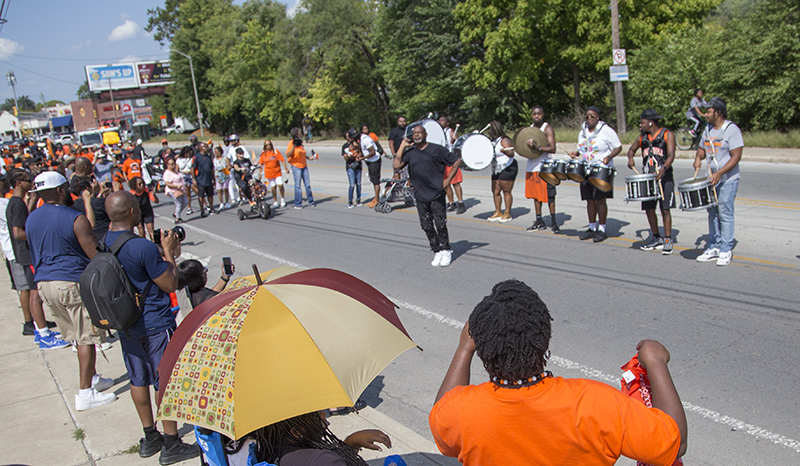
[685, 139]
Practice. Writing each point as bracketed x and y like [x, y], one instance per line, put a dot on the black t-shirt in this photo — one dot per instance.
[397, 135]
[101, 220]
[426, 170]
[242, 163]
[205, 169]
[356, 166]
[16, 216]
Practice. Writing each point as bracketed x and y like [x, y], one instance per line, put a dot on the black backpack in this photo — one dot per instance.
[107, 292]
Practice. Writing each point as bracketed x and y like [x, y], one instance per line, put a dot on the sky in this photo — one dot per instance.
[47, 43]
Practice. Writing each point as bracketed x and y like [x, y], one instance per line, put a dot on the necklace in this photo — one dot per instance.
[530, 381]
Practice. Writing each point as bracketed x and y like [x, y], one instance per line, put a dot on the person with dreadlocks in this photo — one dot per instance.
[525, 415]
[306, 440]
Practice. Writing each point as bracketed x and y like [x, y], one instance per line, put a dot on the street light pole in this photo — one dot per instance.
[194, 85]
[12, 81]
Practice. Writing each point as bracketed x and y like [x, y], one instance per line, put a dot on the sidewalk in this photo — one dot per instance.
[39, 424]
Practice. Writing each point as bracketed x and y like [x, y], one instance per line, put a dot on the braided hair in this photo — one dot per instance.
[307, 431]
[511, 331]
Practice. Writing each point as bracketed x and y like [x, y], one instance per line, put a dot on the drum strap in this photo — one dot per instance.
[712, 154]
[590, 137]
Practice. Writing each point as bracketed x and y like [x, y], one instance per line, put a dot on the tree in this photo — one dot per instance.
[84, 93]
[26, 104]
[164, 21]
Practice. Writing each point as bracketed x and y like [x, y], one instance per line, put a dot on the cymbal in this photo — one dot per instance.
[525, 133]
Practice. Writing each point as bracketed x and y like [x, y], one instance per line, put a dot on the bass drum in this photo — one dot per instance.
[432, 127]
[475, 151]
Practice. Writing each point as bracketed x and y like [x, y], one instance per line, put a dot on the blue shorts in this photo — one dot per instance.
[142, 356]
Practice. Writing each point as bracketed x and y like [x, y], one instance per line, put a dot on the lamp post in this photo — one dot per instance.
[12, 81]
[194, 85]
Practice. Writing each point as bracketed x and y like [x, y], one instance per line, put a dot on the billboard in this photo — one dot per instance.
[154, 73]
[128, 75]
[116, 76]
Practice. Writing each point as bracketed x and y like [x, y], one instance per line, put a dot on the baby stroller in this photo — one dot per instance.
[259, 205]
[396, 190]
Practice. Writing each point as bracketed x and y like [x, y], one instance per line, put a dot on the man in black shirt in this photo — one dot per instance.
[396, 135]
[204, 179]
[426, 164]
[241, 173]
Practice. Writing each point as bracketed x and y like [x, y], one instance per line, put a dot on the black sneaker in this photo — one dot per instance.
[600, 236]
[461, 208]
[537, 225]
[452, 206]
[148, 448]
[588, 234]
[177, 453]
[654, 243]
[555, 228]
[28, 329]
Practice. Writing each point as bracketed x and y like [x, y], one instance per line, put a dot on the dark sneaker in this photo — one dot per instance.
[28, 329]
[555, 228]
[537, 225]
[600, 236]
[461, 208]
[588, 234]
[667, 248]
[177, 453]
[148, 448]
[655, 242]
[453, 206]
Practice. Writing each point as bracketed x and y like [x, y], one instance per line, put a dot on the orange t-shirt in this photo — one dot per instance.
[298, 159]
[272, 163]
[557, 421]
[132, 168]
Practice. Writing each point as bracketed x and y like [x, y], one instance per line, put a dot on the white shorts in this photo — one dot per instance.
[275, 182]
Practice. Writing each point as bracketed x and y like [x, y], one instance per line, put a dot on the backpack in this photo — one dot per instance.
[107, 292]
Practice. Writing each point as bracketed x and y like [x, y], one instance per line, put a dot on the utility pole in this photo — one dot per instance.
[12, 81]
[113, 106]
[618, 96]
[194, 85]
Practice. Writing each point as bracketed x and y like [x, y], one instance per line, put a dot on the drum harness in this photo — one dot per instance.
[713, 153]
[591, 137]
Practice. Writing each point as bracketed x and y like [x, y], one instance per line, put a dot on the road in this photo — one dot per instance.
[732, 331]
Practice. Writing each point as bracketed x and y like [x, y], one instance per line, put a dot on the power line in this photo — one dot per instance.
[39, 74]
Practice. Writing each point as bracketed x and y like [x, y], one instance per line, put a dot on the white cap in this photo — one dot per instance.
[138, 141]
[48, 180]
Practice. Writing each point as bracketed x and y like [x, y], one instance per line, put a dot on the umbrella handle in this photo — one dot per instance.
[258, 275]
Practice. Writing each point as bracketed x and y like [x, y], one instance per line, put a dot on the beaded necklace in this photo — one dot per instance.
[530, 381]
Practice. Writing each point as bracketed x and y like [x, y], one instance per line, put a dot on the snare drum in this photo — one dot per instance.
[642, 187]
[576, 170]
[475, 150]
[547, 173]
[602, 177]
[560, 168]
[696, 194]
[434, 130]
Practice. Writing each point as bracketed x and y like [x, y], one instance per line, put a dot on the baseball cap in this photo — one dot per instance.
[717, 103]
[239, 150]
[138, 141]
[48, 180]
[193, 138]
[164, 141]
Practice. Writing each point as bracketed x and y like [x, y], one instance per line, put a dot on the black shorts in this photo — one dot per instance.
[509, 173]
[205, 191]
[374, 169]
[668, 202]
[148, 218]
[590, 193]
[551, 193]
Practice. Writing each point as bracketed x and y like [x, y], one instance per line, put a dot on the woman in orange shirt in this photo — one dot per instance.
[271, 159]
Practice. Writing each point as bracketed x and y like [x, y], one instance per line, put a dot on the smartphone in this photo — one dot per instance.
[227, 266]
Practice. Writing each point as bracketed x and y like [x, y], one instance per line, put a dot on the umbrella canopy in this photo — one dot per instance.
[254, 355]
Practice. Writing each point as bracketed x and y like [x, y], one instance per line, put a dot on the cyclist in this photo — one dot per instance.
[695, 113]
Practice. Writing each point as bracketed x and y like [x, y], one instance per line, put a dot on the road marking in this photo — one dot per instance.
[590, 372]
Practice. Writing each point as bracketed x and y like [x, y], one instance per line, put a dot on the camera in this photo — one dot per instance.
[180, 235]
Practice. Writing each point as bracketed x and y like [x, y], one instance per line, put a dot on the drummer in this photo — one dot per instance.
[658, 152]
[535, 186]
[598, 143]
[504, 172]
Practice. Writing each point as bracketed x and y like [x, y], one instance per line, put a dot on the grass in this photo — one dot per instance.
[133, 450]
[78, 434]
[568, 137]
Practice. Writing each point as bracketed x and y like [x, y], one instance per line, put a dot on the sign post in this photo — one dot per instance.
[618, 54]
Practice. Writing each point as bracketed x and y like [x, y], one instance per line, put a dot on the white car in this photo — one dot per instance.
[173, 129]
[64, 139]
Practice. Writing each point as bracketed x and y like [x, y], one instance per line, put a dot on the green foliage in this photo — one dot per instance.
[83, 91]
[26, 104]
[164, 21]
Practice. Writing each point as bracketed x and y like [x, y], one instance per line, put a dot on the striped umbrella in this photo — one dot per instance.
[275, 346]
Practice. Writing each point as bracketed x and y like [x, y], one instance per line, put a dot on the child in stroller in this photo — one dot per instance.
[397, 189]
[254, 190]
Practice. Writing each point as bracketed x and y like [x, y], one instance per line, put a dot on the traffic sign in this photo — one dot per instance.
[618, 73]
[619, 57]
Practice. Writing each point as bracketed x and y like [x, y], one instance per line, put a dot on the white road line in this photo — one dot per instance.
[596, 374]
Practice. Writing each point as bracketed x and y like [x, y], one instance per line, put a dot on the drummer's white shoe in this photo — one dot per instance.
[437, 259]
[724, 258]
[709, 255]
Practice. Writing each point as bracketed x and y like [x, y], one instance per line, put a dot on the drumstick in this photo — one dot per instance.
[695, 173]
[484, 128]
[635, 170]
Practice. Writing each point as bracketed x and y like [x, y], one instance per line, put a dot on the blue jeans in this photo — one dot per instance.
[301, 174]
[354, 177]
[720, 217]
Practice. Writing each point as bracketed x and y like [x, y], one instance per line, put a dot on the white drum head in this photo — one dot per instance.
[432, 127]
[476, 151]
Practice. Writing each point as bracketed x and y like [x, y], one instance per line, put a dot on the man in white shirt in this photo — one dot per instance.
[373, 160]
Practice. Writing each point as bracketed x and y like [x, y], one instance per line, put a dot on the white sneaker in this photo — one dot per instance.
[283, 203]
[447, 256]
[101, 384]
[724, 258]
[275, 205]
[94, 400]
[709, 255]
[437, 259]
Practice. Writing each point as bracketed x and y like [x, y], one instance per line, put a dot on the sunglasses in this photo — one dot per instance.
[589, 117]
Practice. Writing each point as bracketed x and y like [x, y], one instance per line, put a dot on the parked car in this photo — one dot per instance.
[64, 139]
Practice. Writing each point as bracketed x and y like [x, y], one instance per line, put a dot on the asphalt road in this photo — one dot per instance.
[732, 331]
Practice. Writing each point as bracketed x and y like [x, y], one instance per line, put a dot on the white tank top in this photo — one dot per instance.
[534, 165]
